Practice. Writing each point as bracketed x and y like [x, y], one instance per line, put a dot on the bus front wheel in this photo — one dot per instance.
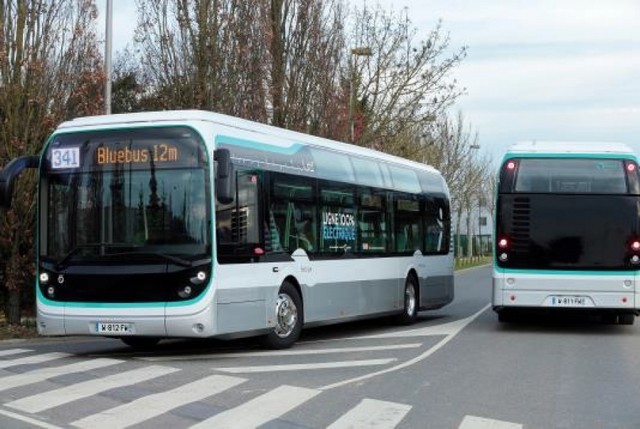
[288, 317]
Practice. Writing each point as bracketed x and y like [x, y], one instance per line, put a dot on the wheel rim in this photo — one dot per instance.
[286, 316]
[410, 299]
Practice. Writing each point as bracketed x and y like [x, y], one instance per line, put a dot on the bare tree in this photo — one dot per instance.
[50, 70]
[404, 84]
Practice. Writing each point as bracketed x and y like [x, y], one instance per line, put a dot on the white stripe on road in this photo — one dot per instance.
[304, 366]
[370, 413]
[46, 357]
[11, 352]
[459, 326]
[55, 398]
[276, 353]
[154, 405]
[260, 410]
[472, 422]
[29, 420]
[19, 380]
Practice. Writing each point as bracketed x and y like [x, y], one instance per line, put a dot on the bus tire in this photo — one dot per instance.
[626, 319]
[410, 308]
[505, 316]
[141, 343]
[288, 314]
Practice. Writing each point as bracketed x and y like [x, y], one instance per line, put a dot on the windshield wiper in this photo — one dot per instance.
[171, 258]
[103, 245]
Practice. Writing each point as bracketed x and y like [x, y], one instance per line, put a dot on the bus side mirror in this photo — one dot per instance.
[9, 174]
[225, 191]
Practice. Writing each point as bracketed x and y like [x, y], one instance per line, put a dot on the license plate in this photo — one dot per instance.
[569, 301]
[114, 328]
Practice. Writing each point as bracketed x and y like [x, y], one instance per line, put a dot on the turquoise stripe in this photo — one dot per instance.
[564, 272]
[262, 147]
[43, 299]
[516, 155]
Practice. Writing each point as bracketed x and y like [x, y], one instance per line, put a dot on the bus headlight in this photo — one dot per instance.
[635, 259]
[51, 291]
[44, 278]
[504, 257]
[185, 292]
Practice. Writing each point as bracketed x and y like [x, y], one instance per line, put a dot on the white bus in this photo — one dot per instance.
[195, 224]
[567, 234]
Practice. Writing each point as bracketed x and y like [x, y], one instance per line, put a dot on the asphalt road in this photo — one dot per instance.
[456, 368]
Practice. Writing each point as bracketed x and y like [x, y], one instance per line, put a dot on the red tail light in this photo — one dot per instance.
[630, 166]
[503, 243]
[635, 245]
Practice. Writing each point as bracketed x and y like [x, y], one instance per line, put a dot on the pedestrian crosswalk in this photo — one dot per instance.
[36, 387]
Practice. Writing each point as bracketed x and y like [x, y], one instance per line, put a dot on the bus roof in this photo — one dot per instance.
[176, 116]
[564, 147]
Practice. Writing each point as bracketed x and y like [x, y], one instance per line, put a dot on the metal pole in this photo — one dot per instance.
[107, 58]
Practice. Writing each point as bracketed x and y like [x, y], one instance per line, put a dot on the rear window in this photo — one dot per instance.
[571, 176]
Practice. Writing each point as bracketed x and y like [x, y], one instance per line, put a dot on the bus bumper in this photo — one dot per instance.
[566, 290]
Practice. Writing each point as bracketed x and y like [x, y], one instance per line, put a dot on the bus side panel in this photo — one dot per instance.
[353, 287]
[498, 286]
[436, 281]
[245, 296]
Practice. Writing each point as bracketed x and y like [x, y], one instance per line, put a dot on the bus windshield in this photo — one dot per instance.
[126, 196]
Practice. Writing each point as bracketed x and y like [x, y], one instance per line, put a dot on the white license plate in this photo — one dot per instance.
[569, 301]
[114, 328]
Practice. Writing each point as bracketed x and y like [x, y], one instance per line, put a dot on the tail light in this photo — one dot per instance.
[634, 250]
[633, 179]
[503, 245]
[508, 175]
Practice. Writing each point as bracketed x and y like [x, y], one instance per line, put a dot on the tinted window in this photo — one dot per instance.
[571, 176]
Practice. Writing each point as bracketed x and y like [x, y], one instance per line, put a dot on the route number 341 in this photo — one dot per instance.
[68, 157]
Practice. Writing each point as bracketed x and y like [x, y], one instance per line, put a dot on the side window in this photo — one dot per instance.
[292, 218]
[372, 222]
[238, 223]
[437, 226]
[407, 223]
[338, 218]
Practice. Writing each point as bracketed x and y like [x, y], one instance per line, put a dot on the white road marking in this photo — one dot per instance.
[304, 366]
[452, 330]
[472, 422]
[157, 404]
[46, 357]
[11, 352]
[28, 420]
[37, 376]
[374, 414]
[64, 395]
[260, 410]
[276, 353]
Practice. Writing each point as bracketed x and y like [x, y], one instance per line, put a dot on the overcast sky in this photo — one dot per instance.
[543, 69]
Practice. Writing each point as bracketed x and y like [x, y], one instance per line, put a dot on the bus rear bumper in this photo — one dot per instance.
[586, 292]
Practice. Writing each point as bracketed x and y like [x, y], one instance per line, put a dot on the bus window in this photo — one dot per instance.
[293, 213]
[338, 217]
[571, 176]
[372, 225]
[407, 224]
[437, 226]
[238, 223]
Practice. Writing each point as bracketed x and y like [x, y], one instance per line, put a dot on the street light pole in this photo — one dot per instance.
[364, 51]
[107, 57]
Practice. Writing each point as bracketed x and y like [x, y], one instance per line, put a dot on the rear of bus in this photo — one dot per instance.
[567, 234]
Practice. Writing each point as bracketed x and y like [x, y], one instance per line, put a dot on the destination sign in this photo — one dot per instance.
[135, 149]
[157, 153]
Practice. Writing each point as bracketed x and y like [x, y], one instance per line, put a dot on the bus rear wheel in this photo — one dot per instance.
[288, 316]
[410, 310]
